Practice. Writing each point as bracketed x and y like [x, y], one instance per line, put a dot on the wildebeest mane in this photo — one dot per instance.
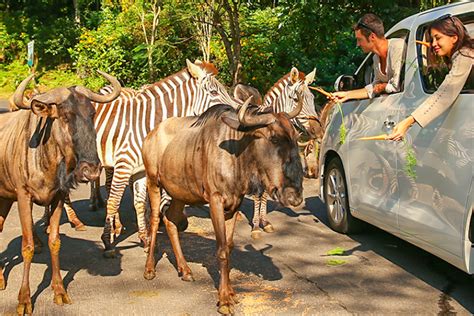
[214, 112]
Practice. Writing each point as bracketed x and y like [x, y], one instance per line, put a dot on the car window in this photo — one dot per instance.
[432, 76]
[365, 75]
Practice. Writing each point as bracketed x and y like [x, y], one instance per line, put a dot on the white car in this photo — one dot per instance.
[421, 190]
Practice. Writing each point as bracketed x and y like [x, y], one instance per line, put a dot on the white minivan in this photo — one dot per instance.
[427, 199]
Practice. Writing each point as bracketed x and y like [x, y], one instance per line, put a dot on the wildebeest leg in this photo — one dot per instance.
[113, 226]
[5, 206]
[256, 232]
[71, 215]
[172, 218]
[155, 199]
[54, 243]
[27, 251]
[263, 222]
[226, 301]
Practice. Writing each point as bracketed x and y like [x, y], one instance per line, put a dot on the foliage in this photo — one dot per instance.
[410, 160]
[108, 35]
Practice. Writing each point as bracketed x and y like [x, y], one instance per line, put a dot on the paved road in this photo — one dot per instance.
[287, 272]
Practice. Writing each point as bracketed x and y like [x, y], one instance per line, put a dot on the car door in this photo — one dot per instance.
[433, 202]
[372, 165]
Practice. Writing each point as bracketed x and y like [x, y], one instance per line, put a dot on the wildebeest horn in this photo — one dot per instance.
[99, 98]
[248, 120]
[298, 108]
[18, 96]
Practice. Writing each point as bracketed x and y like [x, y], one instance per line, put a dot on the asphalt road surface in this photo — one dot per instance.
[288, 272]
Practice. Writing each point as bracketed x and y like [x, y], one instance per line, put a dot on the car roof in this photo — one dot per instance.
[434, 13]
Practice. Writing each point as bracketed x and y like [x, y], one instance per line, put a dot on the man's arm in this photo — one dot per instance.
[343, 96]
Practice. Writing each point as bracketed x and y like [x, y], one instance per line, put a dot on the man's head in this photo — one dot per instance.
[368, 30]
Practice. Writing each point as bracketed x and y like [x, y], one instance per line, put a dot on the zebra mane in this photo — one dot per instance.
[214, 113]
[286, 77]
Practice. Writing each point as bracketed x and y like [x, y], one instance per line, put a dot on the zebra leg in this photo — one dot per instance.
[263, 222]
[71, 215]
[109, 174]
[256, 231]
[95, 196]
[113, 226]
[139, 201]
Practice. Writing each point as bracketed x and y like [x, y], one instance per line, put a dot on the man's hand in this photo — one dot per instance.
[340, 96]
[379, 88]
[401, 129]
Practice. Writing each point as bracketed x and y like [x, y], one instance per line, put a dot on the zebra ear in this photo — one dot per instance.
[310, 77]
[294, 74]
[198, 62]
[195, 70]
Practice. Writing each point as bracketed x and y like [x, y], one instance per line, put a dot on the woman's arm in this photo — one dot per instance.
[439, 101]
[447, 92]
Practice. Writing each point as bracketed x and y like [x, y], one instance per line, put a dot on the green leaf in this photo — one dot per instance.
[338, 251]
[335, 262]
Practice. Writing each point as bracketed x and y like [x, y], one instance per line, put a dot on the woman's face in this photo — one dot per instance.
[442, 44]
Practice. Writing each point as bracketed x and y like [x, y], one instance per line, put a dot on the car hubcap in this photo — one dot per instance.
[336, 195]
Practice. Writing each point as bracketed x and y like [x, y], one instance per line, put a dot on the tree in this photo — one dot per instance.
[145, 11]
[203, 26]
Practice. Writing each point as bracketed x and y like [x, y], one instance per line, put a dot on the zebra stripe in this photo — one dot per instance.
[123, 124]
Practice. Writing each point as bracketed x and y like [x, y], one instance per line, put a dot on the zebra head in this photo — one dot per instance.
[298, 83]
[283, 96]
[208, 90]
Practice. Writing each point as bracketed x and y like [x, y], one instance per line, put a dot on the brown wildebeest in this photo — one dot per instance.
[217, 159]
[47, 147]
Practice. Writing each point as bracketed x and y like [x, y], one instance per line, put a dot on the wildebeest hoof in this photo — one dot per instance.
[256, 233]
[61, 299]
[268, 228]
[110, 253]
[226, 309]
[187, 277]
[24, 309]
[149, 274]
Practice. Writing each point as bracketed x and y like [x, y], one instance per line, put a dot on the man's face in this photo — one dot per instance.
[366, 44]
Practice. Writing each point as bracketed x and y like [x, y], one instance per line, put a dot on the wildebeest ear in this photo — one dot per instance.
[294, 75]
[232, 122]
[44, 109]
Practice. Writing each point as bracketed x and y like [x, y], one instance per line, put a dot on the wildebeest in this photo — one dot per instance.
[47, 148]
[217, 159]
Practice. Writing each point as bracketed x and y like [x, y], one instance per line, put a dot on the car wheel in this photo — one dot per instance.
[337, 199]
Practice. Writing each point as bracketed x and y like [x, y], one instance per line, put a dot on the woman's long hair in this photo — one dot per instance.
[450, 26]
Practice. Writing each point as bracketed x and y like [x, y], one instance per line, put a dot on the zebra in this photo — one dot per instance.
[282, 97]
[123, 124]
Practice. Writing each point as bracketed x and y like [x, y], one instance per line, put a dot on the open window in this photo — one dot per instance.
[365, 74]
[433, 74]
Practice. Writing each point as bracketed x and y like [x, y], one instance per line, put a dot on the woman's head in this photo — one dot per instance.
[447, 35]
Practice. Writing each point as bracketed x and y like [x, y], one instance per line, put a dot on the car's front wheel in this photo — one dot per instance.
[337, 199]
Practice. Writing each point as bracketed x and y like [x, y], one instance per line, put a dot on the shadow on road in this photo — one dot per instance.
[452, 282]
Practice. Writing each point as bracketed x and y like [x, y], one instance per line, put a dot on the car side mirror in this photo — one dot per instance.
[344, 83]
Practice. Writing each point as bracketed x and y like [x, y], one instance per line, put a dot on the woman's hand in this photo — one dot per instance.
[401, 129]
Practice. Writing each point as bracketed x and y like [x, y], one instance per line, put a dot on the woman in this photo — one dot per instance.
[450, 41]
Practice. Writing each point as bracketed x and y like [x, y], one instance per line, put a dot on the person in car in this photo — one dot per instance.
[387, 60]
[449, 40]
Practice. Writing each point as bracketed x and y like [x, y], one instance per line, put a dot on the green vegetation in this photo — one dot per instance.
[142, 41]
[410, 160]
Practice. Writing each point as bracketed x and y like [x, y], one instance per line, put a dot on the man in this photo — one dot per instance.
[388, 59]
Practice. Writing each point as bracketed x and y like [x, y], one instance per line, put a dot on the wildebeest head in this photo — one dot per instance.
[275, 150]
[68, 114]
[209, 90]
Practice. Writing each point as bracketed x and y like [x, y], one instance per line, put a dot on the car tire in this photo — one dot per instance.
[337, 200]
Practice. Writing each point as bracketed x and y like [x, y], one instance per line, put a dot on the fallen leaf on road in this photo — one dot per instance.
[338, 251]
[335, 262]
